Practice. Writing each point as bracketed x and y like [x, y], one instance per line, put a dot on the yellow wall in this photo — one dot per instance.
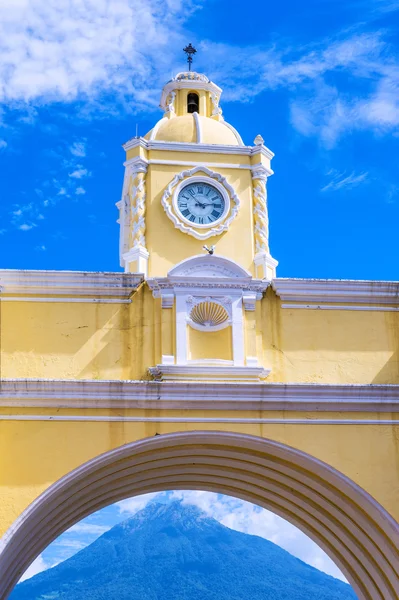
[168, 246]
[80, 340]
[35, 454]
[121, 341]
[210, 345]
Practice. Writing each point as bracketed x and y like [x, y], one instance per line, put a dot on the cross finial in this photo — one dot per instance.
[190, 51]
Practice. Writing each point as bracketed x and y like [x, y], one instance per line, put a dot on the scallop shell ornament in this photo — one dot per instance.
[209, 314]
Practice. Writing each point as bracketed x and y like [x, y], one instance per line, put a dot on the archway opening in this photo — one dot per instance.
[179, 541]
[356, 532]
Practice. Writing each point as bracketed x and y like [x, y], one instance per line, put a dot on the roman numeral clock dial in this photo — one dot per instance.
[200, 204]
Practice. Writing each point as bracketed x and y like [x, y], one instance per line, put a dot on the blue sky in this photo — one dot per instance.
[318, 80]
[234, 513]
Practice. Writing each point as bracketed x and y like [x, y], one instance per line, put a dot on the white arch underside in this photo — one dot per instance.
[342, 519]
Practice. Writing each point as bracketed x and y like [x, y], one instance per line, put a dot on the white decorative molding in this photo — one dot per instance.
[208, 372]
[170, 103]
[132, 208]
[207, 273]
[216, 110]
[261, 217]
[265, 265]
[65, 299]
[185, 147]
[211, 178]
[208, 313]
[353, 307]
[198, 129]
[228, 420]
[168, 359]
[68, 286]
[337, 290]
[249, 299]
[118, 394]
[214, 279]
[138, 255]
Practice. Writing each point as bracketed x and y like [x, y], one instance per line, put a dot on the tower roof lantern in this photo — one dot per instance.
[188, 80]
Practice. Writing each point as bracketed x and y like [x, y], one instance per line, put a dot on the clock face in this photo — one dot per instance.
[201, 203]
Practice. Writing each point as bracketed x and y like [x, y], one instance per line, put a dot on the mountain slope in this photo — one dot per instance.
[176, 552]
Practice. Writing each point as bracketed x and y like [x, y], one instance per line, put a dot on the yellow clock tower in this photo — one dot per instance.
[192, 180]
[192, 185]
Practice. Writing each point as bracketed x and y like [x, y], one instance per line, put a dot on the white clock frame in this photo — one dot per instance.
[206, 181]
[200, 232]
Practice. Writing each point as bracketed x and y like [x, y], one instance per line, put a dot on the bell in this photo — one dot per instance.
[192, 103]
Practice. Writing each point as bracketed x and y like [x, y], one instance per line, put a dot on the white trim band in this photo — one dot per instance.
[337, 290]
[58, 284]
[65, 300]
[341, 307]
[80, 393]
[243, 421]
[194, 147]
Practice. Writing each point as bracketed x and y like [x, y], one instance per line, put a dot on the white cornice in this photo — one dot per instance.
[337, 290]
[70, 284]
[195, 147]
[208, 372]
[133, 162]
[154, 395]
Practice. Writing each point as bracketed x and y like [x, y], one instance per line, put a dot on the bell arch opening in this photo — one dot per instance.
[192, 103]
[356, 532]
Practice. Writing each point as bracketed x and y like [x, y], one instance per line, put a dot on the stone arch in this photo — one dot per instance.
[352, 528]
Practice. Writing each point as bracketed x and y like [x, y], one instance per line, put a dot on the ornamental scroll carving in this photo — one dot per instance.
[216, 110]
[261, 218]
[137, 196]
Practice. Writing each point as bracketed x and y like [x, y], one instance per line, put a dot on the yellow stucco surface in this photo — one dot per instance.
[121, 341]
[167, 246]
[35, 454]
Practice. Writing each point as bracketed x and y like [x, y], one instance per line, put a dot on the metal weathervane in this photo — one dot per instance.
[190, 51]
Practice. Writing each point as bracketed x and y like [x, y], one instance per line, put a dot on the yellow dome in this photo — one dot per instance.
[195, 129]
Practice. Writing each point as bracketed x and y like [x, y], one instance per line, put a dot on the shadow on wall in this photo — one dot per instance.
[78, 340]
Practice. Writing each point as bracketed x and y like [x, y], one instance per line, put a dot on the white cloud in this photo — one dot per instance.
[26, 226]
[41, 248]
[62, 50]
[89, 528]
[336, 86]
[38, 565]
[79, 191]
[79, 172]
[75, 545]
[3, 144]
[133, 505]
[78, 149]
[339, 181]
